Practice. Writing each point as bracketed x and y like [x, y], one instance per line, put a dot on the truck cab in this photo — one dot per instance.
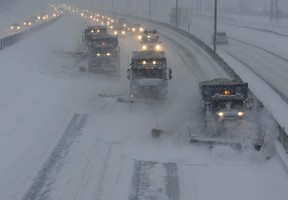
[104, 53]
[148, 75]
[92, 31]
[225, 98]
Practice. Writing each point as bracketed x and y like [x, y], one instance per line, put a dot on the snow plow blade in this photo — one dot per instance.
[156, 132]
[124, 100]
[211, 142]
[119, 97]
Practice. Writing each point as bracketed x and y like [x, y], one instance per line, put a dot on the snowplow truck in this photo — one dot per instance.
[104, 53]
[225, 106]
[148, 75]
[92, 31]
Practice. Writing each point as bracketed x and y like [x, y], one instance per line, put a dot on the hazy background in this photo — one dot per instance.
[141, 7]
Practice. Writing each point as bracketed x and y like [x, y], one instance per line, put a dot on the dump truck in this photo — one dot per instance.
[227, 115]
[92, 31]
[104, 53]
[148, 75]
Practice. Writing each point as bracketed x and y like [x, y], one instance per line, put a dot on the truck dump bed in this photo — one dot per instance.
[150, 58]
[208, 89]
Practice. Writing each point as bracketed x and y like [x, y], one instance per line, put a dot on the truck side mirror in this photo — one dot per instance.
[170, 73]
[128, 74]
[249, 103]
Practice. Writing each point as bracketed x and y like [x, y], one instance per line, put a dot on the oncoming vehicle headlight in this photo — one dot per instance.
[220, 114]
[108, 54]
[158, 47]
[141, 29]
[240, 114]
[133, 29]
[98, 54]
[144, 47]
[139, 37]
[123, 32]
[115, 32]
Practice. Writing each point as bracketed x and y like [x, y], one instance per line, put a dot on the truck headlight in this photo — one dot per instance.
[158, 47]
[108, 54]
[240, 114]
[139, 37]
[220, 114]
[115, 32]
[144, 47]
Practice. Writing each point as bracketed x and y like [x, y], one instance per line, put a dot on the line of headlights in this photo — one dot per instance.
[239, 114]
[157, 47]
[103, 54]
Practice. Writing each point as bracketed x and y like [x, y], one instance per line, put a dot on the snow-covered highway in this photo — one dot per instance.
[60, 140]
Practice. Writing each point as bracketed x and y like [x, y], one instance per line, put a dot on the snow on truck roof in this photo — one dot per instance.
[104, 36]
[222, 81]
[96, 27]
[148, 54]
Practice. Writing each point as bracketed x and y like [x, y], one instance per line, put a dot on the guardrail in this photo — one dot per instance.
[283, 136]
[14, 38]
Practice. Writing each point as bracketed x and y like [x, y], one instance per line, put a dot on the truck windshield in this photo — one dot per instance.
[149, 73]
[104, 43]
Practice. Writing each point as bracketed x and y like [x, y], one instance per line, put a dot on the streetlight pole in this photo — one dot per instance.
[128, 7]
[215, 25]
[176, 18]
[149, 10]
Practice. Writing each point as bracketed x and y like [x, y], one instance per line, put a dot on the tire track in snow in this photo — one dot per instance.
[60, 151]
[258, 29]
[102, 170]
[155, 181]
[93, 175]
[262, 49]
[172, 181]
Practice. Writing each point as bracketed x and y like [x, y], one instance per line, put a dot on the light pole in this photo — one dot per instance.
[240, 9]
[149, 10]
[128, 7]
[215, 25]
[176, 13]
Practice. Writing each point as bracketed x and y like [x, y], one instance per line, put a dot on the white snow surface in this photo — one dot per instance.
[41, 89]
